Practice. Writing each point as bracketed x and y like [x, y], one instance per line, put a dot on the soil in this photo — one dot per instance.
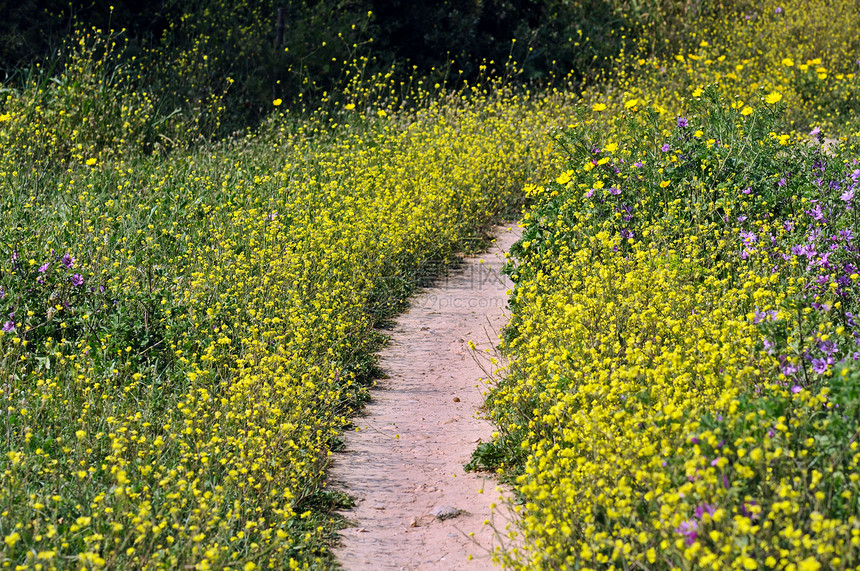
[404, 463]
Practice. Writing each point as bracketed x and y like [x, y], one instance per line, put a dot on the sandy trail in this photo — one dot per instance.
[420, 427]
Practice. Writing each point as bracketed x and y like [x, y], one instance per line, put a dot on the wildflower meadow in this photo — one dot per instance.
[192, 284]
[681, 381]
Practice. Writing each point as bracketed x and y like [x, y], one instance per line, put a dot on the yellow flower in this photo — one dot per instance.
[91, 162]
[598, 107]
[747, 110]
[773, 97]
[809, 564]
[788, 62]
[12, 539]
[277, 102]
[349, 106]
[631, 104]
[698, 92]
[564, 177]
[5, 117]
[610, 148]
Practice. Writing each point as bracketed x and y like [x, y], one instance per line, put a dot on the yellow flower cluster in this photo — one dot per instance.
[804, 53]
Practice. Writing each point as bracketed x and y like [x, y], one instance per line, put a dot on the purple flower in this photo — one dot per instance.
[788, 369]
[803, 250]
[778, 10]
[705, 509]
[589, 193]
[688, 529]
[815, 212]
[627, 234]
[682, 121]
[847, 195]
[77, 280]
[742, 218]
[748, 238]
[747, 190]
[614, 190]
[820, 366]
[638, 164]
[665, 148]
[8, 326]
[815, 132]
[781, 182]
[44, 267]
[827, 347]
[68, 261]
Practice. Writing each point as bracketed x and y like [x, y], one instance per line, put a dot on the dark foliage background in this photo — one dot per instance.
[187, 49]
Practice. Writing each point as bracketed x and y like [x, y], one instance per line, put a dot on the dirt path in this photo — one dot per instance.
[420, 427]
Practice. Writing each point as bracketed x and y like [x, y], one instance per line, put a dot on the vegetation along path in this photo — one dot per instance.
[416, 507]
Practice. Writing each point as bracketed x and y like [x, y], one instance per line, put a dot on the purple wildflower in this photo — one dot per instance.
[788, 369]
[615, 190]
[820, 366]
[8, 326]
[77, 280]
[638, 164]
[816, 213]
[44, 267]
[665, 148]
[688, 529]
[794, 390]
[748, 238]
[682, 121]
[68, 261]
